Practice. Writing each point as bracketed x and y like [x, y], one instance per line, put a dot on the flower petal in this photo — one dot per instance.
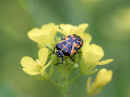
[30, 66]
[105, 62]
[81, 28]
[91, 90]
[92, 54]
[27, 60]
[103, 77]
[50, 31]
[31, 71]
[37, 36]
[43, 55]
[86, 37]
[68, 29]
[45, 35]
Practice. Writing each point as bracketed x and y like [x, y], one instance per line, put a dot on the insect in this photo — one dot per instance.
[69, 46]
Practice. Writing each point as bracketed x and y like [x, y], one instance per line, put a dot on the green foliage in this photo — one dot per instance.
[109, 26]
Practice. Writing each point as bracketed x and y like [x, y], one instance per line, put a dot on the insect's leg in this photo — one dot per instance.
[61, 62]
[62, 58]
[72, 58]
[51, 49]
[54, 50]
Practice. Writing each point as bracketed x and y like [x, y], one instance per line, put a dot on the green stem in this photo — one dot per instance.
[75, 78]
[65, 90]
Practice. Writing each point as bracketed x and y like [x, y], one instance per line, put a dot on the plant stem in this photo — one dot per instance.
[75, 78]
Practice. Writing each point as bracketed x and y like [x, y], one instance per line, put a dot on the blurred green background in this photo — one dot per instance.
[109, 24]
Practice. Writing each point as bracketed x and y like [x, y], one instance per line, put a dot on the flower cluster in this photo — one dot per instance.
[103, 77]
[86, 61]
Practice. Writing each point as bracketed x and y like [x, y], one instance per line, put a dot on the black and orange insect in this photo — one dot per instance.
[69, 46]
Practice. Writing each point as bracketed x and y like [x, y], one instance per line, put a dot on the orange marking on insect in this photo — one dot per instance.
[76, 45]
[67, 38]
[64, 47]
[73, 52]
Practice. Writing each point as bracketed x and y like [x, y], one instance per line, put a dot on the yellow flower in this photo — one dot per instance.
[44, 36]
[68, 29]
[35, 67]
[103, 77]
[92, 54]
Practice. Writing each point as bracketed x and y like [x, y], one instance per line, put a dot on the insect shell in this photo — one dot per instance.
[68, 46]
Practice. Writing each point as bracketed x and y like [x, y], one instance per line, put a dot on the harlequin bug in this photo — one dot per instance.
[69, 46]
